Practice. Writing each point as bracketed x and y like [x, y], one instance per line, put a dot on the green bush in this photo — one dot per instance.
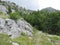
[15, 15]
[23, 34]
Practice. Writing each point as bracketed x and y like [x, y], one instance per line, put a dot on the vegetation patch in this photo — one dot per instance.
[15, 16]
[5, 40]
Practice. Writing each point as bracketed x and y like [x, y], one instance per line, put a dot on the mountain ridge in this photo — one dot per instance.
[49, 9]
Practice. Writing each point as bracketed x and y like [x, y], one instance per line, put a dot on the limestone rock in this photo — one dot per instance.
[15, 28]
[24, 26]
[3, 9]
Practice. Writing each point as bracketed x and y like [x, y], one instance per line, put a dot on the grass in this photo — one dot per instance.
[5, 40]
[38, 39]
[23, 40]
[4, 16]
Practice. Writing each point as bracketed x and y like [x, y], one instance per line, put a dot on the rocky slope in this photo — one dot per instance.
[20, 31]
[6, 6]
[15, 28]
[3, 9]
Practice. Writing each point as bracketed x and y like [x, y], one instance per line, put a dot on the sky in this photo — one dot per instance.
[37, 4]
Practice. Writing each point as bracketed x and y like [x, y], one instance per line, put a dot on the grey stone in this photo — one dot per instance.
[3, 9]
[25, 27]
[15, 28]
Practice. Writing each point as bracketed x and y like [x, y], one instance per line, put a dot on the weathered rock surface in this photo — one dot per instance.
[15, 28]
[3, 9]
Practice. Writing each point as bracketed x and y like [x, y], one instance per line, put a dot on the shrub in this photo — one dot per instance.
[14, 16]
[23, 34]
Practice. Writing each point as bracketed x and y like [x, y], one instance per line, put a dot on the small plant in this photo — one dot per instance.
[23, 34]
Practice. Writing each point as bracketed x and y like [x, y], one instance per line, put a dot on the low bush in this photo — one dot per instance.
[15, 15]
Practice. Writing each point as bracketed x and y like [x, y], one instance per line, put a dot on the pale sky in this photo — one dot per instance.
[38, 4]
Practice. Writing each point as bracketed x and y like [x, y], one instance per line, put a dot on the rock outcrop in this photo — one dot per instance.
[3, 9]
[15, 28]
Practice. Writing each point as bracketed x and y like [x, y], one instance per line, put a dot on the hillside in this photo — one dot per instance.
[39, 38]
[20, 26]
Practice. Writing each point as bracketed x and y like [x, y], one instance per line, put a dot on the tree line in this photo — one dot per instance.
[45, 21]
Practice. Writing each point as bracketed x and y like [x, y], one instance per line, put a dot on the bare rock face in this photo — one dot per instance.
[15, 28]
[24, 26]
[3, 9]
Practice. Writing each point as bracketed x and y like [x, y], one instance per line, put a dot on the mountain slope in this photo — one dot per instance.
[20, 32]
[15, 28]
